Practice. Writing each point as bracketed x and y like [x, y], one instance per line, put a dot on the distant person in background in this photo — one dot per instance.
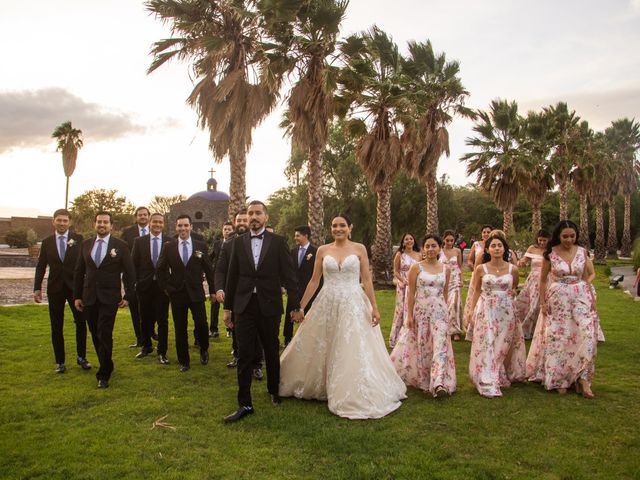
[407, 255]
[637, 283]
[227, 231]
[270, 229]
[60, 253]
[475, 258]
[452, 258]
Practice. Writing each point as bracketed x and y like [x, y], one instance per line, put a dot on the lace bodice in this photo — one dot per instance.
[562, 272]
[341, 274]
[496, 284]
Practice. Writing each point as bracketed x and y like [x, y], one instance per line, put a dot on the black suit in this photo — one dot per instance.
[99, 288]
[60, 291]
[129, 235]
[215, 306]
[304, 271]
[184, 286]
[253, 294]
[152, 300]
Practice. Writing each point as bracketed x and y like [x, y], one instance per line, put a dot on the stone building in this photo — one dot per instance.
[207, 209]
[41, 225]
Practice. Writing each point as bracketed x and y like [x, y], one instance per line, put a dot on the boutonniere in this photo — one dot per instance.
[113, 253]
[71, 242]
[309, 256]
[198, 253]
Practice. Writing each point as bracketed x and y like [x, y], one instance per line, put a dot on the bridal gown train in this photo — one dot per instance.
[337, 355]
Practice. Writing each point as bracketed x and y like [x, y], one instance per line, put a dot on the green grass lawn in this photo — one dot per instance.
[61, 426]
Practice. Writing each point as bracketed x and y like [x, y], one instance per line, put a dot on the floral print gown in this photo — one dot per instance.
[402, 302]
[454, 295]
[565, 341]
[468, 313]
[423, 356]
[497, 352]
[527, 303]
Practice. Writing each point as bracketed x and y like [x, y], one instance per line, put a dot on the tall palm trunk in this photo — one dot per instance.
[316, 197]
[564, 208]
[432, 204]
[536, 217]
[584, 222]
[625, 249]
[507, 219]
[381, 249]
[237, 184]
[66, 195]
[600, 250]
[612, 236]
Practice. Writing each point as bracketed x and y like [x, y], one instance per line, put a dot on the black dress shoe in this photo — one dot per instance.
[163, 359]
[275, 399]
[257, 373]
[184, 368]
[214, 334]
[233, 363]
[84, 364]
[103, 384]
[144, 352]
[154, 336]
[238, 414]
[204, 357]
[60, 368]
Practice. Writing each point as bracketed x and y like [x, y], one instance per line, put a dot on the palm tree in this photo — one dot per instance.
[583, 176]
[562, 127]
[625, 137]
[602, 172]
[69, 142]
[307, 42]
[498, 162]
[236, 85]
[371, 87]
[436, 93]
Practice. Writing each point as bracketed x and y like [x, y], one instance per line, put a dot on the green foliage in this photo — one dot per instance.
[21, 237]
[162, 204]
[85, 206]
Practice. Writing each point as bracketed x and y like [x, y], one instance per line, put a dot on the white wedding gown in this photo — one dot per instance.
[337, 355]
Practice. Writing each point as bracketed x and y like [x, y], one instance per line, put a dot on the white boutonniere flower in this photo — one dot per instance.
[309, 256]
[198, 253]
[71, 242]
[113, 253]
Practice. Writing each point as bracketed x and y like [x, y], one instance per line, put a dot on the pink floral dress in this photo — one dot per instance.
[423, 356]
[565, 342]
[497, 353]
[454, 295]
[527, 303]
[468, 312]
[402, 302]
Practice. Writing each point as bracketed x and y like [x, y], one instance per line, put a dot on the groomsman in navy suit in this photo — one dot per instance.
[152, 300]
[129, 234]
[60, 252]
[303, 256]
[104, 262]
[183, 264]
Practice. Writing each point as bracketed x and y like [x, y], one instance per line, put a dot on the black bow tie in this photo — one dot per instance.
[260, 236]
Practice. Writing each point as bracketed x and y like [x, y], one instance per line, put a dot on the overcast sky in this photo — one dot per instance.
[86, 61]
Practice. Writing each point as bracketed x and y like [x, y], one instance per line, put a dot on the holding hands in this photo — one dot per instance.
[297, 315]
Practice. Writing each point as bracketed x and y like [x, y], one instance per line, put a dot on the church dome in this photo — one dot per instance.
[211, 193]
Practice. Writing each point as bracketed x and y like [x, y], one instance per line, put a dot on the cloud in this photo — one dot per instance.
[28, 117]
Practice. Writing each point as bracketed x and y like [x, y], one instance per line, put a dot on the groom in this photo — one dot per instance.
[259, 265]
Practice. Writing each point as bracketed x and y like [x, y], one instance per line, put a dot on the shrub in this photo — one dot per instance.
[21, 237]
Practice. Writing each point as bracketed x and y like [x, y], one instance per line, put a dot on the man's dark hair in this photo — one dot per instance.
[258, 202]
[142, 208]
[61, 211]
[156, 214]
[102, 212]
[303, 230]
[183, 215]
[230, 224]
[242, 211]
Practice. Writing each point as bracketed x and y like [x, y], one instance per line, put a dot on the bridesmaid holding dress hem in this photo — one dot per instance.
[476, 252]
[452, 258]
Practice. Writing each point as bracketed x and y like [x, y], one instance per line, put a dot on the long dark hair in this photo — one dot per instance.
[555, 236]
[415, 243]
[505, 256]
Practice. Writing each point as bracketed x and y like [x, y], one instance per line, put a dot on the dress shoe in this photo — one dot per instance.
[162, 359]
[204, 357]
[154, 336]
[144, 352]
[275, 399]
[238, 414]
[184, 368]
[214, 334]
[257, 374]
[233, 363]
[228, 333]
[83, 363]
[60, 368]
[103, 384]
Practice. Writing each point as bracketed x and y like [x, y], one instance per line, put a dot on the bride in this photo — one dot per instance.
[338, 353]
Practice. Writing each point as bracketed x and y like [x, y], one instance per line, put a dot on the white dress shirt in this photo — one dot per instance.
[256, 246]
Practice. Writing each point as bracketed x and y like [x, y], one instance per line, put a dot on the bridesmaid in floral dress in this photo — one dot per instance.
[476, 252]
[452, 258]
[564, 347]
[528, 300]
[497, 353]
[423, 356]
[407, 255]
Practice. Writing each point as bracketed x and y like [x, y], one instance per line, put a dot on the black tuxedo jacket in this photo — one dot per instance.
[305, 270]
[274, 269]
[129, 235]
[222, 263]
[60, 273]
[146, 273]
[103, 283]
[174, 276]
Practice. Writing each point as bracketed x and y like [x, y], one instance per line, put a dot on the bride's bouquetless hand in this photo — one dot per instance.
[375, 318]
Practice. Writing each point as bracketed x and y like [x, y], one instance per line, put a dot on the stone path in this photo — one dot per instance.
[16, 285]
